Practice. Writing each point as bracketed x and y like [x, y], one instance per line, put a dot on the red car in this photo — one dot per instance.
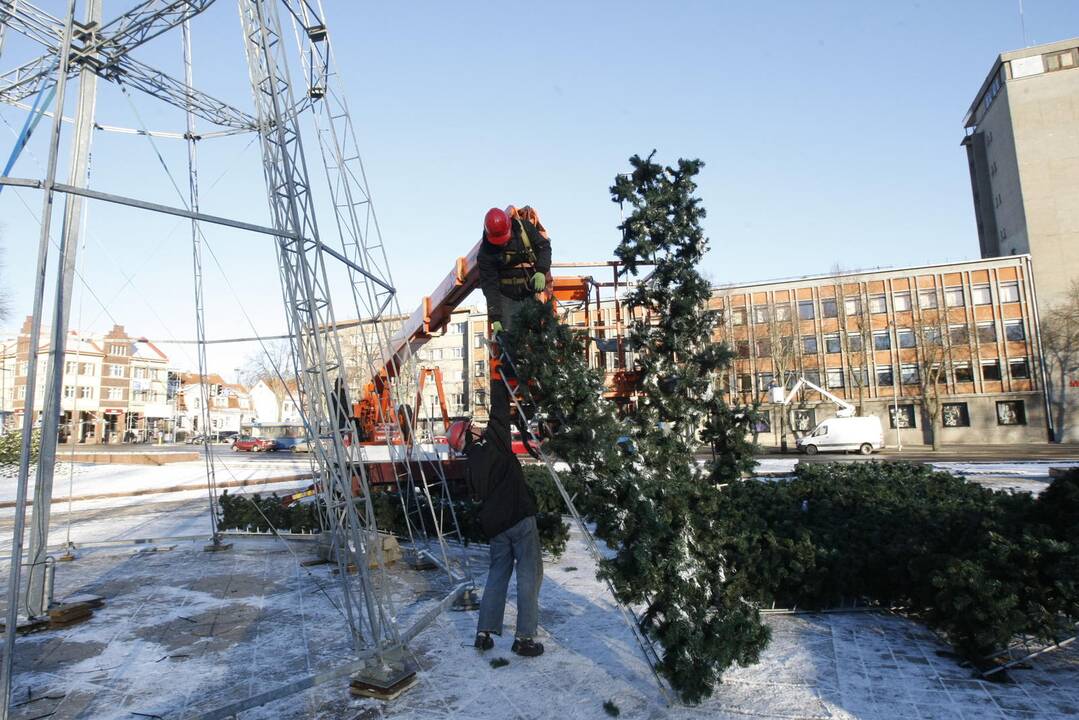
[517, 444]
[253, 444]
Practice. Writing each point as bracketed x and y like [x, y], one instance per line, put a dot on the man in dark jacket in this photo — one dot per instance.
[508, 519]
[514, 261]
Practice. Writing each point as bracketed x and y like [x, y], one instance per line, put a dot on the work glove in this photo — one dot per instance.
[539, 281]
[496, 326]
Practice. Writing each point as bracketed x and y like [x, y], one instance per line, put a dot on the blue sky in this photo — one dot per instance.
[830, 132]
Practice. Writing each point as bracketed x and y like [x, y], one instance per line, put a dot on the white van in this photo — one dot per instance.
[863, 434]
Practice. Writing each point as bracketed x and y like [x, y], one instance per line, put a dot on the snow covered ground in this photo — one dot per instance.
[184, 632]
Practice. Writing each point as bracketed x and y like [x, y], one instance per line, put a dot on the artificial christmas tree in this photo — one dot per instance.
[637, 477]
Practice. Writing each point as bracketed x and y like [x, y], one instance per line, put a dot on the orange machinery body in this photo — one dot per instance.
[375, 414]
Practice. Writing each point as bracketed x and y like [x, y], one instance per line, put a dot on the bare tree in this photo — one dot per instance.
[935, 355]
[784, 353]
[1060, 341]
[853, 310]
[271, 364]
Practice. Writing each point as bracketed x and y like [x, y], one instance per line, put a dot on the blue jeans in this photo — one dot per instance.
[519, 546]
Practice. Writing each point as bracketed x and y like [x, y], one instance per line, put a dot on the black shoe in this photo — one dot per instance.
[526, 647]
[484, 642]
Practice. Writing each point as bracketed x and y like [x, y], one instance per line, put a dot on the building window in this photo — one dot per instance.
[477, 368]
[855, 342]
[764, 348]
[963, 373]
[908, 374]
[22, 392]
[953, 297]
[762, 422]
[904, 418]
[138, 373]
[477, 340]
[1013, 330]
[987, 332]
[760, 314]
[786, 345]
[1011, 412]
[738, 316]
[69, 367]
[885, 376]
[741, 348]
[764, 380]
[1019, 369]
[878, 304]
[1059, 60]
[852, 306]
[858, 376]
[783, 312]
[86, 369]
[955, 415]
[805, 310]
[990, 370]
[809, 344]
[803, 420]
[901, 302]
[959, 334]
[905, 336]
[829, 308]
[833, 377]
[831, 343]
[24, 367]
[882, 340]
[927, 299]
[980, 295]
[116, 371]
[116, 393]
[745, 382]
[1009, 292]
[69, 391]
[931, 335]
[118, 349]
[86, 392]
[812, 376]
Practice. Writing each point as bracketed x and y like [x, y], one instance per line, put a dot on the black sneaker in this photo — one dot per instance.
[526, 647]
[484, 642]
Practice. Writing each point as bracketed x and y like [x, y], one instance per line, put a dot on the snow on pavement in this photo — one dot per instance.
[185, 630]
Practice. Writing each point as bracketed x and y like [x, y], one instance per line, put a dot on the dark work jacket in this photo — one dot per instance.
[495, 477]
[501, 263]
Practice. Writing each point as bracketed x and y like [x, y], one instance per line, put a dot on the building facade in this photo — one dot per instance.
[230, 406]
[115, 387]
[885, 341]
[1022, 147]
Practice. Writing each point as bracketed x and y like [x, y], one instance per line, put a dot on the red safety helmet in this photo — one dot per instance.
[458, 433]
[496, 227]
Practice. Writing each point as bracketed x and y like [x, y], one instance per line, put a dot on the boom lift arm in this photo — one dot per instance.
[845, 408]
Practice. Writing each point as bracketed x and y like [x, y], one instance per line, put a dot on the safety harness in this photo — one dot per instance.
[518, 264]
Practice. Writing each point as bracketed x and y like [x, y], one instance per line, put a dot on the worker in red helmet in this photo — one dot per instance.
[507, 517]
[514, 261]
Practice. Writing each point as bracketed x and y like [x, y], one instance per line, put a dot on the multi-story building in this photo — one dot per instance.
[273, 401]
[876, 338]
[114, 387]
[1022, 147]
[230, 405]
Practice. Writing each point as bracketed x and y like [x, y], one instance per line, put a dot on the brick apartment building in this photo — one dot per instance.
[115, 387]
[864, 337]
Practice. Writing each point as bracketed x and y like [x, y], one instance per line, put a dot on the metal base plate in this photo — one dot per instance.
[420, 561]
[384, 679]
[216, 547]
[469, 600]
[361, 688]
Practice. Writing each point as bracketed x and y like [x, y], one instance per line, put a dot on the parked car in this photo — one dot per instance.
[302, 446]
[863, 434]
[247, 443]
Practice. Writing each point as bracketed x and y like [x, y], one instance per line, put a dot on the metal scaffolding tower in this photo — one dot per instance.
[90, 50]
